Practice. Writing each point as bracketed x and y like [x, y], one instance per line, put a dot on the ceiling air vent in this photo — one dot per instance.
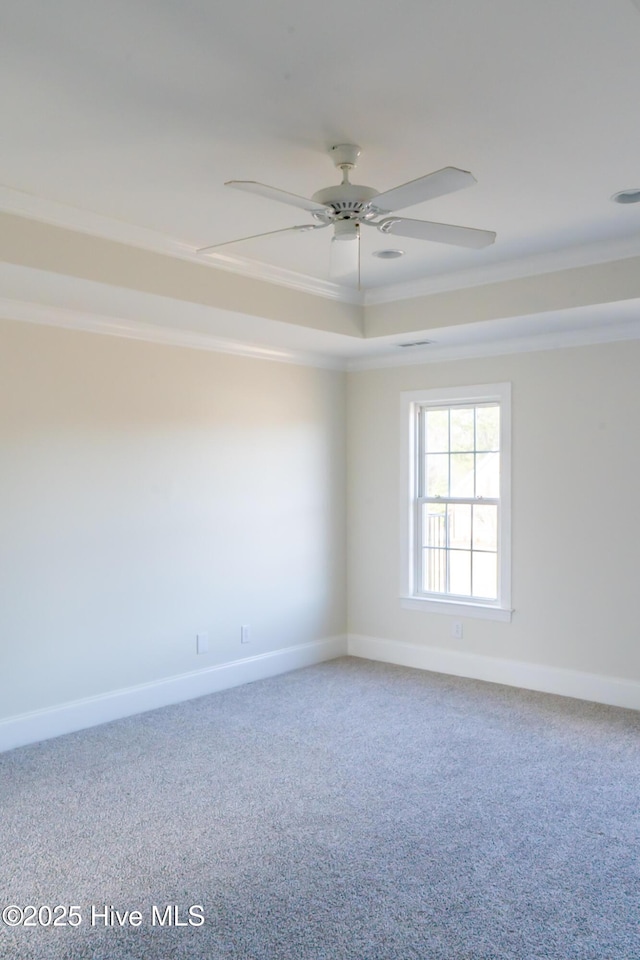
[416, 343]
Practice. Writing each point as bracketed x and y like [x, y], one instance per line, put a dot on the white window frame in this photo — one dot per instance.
[411, 401]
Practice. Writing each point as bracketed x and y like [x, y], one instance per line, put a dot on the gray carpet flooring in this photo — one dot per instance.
[349, 811]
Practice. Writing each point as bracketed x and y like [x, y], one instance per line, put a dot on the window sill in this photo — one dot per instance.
[457, 608]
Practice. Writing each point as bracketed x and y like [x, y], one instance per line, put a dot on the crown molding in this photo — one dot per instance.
[109, 228]
[435, 353]
[286, 278]
[27, 312]
[583, 255]
[87, 221]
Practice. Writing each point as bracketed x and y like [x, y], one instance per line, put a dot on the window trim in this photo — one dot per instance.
[409, 599]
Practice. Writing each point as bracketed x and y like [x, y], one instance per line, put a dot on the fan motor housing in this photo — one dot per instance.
[349, 201]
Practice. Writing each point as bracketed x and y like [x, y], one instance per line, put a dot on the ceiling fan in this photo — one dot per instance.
[348, 206]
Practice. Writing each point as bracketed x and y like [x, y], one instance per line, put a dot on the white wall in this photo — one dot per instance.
[149, 493]
[576, 515]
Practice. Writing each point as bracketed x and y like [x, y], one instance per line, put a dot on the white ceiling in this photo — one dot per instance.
[124, 118]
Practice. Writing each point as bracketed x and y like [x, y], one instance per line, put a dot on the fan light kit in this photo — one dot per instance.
[348, 206]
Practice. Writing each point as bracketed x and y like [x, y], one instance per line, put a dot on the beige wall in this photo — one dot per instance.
[576, 516]
[150, 493]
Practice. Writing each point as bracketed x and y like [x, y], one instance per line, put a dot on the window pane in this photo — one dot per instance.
[485, 575]
[458, 528]
[485, 527]
[437, 474]
[459, 520]
[434, 571]
[460, 572]
[488, 428]
[462, 475]
[462, 428]
[437, 431]
[434, 531]
[487, 474]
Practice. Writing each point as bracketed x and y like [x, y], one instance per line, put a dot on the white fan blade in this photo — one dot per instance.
[273, 193]
[433, 185]
[437, 232]
[303, 228]
[344, 260]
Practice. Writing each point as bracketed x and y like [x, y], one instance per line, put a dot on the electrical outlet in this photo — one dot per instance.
[456, 630]
[245, 633]
[202, 643]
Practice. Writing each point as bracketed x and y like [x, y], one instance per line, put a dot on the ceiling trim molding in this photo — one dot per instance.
[584, 255]
[89, 222]
[288, 278]
[435, 353]
[27, 312]
[109, 228]
[84, 321]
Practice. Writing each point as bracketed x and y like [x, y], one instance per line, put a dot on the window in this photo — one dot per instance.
[456, 500]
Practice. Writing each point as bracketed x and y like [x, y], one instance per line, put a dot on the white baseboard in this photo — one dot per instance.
[39, 725]
[530, 676]
[89, 712]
